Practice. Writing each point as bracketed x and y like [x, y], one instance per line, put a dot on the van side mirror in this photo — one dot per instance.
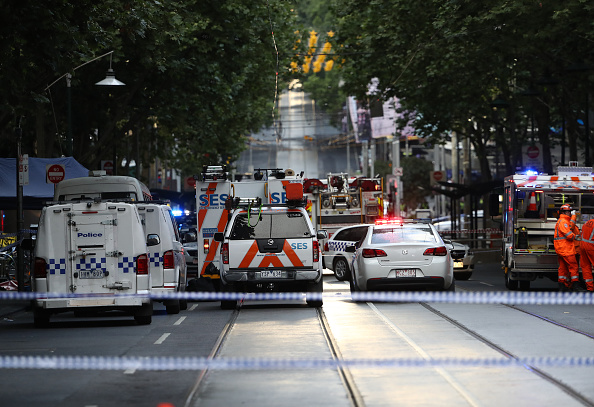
[153, 240]
[219, 237]
[322, 234]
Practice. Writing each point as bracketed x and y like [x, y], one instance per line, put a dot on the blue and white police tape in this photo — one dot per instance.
[493, 297]
[243, 363]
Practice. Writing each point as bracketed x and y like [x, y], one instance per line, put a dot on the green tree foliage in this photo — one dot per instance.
[447, 62]
[199, 76]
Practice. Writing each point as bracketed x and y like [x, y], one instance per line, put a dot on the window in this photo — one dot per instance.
[284, 225]
[402, 235]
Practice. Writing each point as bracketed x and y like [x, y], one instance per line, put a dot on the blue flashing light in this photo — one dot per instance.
[531, 172]
[177, 212]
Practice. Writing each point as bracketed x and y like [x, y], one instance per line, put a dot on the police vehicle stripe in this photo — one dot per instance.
[56, 266]
[127, 265]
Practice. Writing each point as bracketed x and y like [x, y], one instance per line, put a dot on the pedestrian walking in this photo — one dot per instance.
[566, 232]
[587, 253]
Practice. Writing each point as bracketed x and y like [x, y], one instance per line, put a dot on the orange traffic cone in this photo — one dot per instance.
[532, 204]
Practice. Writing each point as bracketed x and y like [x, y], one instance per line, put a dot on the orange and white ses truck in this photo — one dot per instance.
[214, 195]
[530, 211]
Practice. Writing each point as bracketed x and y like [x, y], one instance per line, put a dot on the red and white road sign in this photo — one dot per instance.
[437, 176]
[533, 152]
[55, 173]
[107, 166]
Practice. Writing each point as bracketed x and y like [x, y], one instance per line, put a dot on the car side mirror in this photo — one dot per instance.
[322, 234]
[190, 237]
[153, 240]
[219, 237]
[350, 249]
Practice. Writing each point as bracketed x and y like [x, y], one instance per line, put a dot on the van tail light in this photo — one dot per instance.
[436, 251]
[326, 249]
[373, 253]
[40, 268]
[142, 267]
[225, 253]
[206, 245]
[168, 260]
[316, 251]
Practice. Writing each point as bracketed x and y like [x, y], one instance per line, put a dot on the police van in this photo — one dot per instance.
[100, 185]
[91, 256]
[271, 247]
[167, 264]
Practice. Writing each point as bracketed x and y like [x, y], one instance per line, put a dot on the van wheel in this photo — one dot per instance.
[41, 318]
[183, 305]
[316, 288]
[228, 304]
[509, 283]
[341, 269]
[144, 314]
[173, 306]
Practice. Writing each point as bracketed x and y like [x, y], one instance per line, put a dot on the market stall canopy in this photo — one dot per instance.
[38, 190]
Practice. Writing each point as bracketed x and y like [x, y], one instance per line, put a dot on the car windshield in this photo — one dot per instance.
[402, 235]
[284, 225]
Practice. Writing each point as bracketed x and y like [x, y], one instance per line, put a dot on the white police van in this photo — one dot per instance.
[167, 264]
[87, 255]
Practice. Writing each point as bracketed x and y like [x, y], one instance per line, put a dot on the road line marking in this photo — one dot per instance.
[179, 321]
[490, 285]
[193, 307]
[129, 371]
[162, 338]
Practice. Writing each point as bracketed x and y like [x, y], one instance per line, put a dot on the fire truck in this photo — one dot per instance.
[337, 201]
[530, 210]
[214, 195]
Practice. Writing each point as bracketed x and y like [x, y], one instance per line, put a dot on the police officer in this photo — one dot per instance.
[566, 232]
[587, 253]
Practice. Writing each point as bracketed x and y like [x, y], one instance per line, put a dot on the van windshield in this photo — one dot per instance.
[123, 195]
[285, 225]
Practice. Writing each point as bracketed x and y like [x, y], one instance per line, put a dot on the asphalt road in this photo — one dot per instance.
[291, 330]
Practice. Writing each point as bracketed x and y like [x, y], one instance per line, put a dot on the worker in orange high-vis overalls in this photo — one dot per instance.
[566, 232]
[587, 253]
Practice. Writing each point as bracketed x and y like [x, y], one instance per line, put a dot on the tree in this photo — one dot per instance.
[199, 76]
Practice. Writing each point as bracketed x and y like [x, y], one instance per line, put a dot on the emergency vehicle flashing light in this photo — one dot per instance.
[388, 222]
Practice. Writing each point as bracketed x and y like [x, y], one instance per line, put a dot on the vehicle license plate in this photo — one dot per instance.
[406, 273]
[458, 264]
[90, 274]
[271, 274]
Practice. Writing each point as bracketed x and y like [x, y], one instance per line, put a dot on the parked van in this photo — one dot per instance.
[167, 263]
[87, 254]
[102, 186]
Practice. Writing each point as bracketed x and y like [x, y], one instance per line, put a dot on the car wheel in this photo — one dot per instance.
[144, 314]
[452, 287]
[183, 304]
[316, 288]
[510, 284]
[463, 276]
[172, 306]
[341, 269]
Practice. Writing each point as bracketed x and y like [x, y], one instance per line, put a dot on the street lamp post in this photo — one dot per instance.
[109, 80]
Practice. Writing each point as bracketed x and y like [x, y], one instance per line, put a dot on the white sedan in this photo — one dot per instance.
[397, 254]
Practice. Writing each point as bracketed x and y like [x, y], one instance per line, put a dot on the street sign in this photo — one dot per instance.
[54, 173]
[191, 182]
[24, 170]
[436, 176]
[107, 166]
[397, 171]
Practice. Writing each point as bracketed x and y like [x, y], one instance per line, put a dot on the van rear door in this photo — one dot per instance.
[94, 260]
